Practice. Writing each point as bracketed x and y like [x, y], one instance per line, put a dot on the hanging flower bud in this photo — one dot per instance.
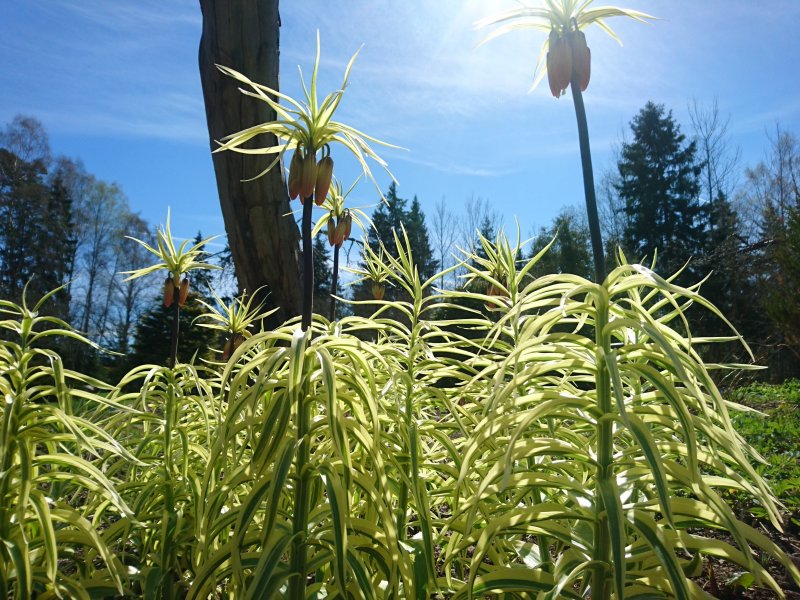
[581, 58]
[559, 64]
[237, 341]
[348, 224]
[496, 291]
[231, 344]
[324, 176]
[551, 67]
[378, 291]
[309, 176]
[295, 174]
[332, 229]
[169, 291]
[338, 235]
[184, 291]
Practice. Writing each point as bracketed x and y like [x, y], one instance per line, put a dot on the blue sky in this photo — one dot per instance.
[116, 84]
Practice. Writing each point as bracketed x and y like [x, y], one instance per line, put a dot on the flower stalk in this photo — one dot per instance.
[308, 257]
[334, 281]
[175, 309]
[588, 180]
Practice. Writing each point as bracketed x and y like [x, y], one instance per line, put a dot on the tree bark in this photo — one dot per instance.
[263, 236]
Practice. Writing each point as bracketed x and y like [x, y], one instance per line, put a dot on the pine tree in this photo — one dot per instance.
[658, 183]
[571, 251]
[37, 235]
[323, 274]
[420, 242]
[151, 343]
[389, 217]
[58, 239]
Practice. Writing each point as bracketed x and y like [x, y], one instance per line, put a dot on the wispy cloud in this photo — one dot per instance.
[454, 168]
[126, 69]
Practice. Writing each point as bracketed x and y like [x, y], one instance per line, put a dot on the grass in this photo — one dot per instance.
[775, 434]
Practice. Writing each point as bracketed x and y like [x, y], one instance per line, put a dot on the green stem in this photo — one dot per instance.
[297, 585]
[335, 282]
[605, 451]
[402, 504]
[588, 181]
[408, 418]
[167, 547]
[173, 344]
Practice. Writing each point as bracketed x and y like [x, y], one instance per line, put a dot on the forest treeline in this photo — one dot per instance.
[679, 196]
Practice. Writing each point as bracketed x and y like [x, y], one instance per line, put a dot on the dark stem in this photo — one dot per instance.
[173, 344]
[308, 264]
[298, 565]
[335, 282]
[588, 181]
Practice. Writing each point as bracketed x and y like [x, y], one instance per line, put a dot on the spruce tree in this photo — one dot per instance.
[658, 183]
[151, 343]
[420, 242]
[323, 274]
[37, 234]
[389, 217]
[571, 250]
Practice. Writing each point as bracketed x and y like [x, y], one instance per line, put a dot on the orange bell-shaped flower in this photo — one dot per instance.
[559, 64]
[581, 58]
[324, 176]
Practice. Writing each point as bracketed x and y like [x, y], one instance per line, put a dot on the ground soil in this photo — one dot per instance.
[718, 572]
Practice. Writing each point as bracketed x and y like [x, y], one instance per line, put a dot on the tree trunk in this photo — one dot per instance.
[263, 236]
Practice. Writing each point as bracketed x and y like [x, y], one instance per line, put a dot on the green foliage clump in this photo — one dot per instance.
[774, 433]
[574, 441]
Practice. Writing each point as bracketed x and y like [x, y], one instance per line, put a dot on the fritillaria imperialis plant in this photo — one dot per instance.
[234, 320]
[176, 261]
[49, 452]
[307, 128]
[566, 60]
[339, 224]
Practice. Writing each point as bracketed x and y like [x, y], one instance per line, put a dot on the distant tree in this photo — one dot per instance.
[444, 230]
[131, 295]
[25, 137]
[323, 274]
[102, 213]
[659, 184]
[58, 243]
[720, 161]
[571, 251]
[387, 218]
[773, 188]
[36, 236]
[477, 214]
[611, 209]
[726, 261]
[724, 257]
[418, 236]
[152, 337]
[459, 309]
[72, 175]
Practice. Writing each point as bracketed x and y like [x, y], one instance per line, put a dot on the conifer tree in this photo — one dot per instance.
[152, 337]
[323, 274]
[571, 251]
[36, 237]
[387, 218]
[658, 184]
